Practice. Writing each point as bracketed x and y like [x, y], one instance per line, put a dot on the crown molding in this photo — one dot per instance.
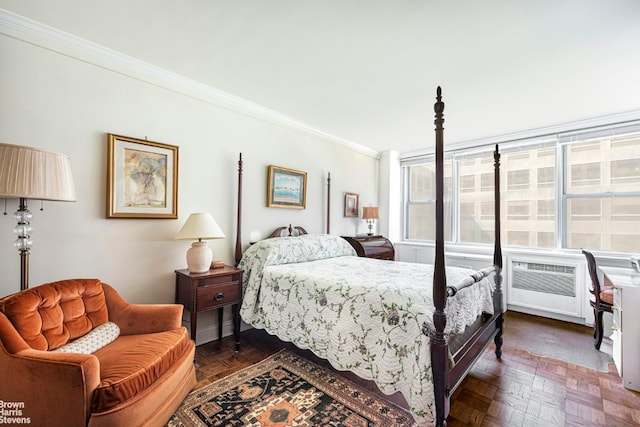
[44, 36]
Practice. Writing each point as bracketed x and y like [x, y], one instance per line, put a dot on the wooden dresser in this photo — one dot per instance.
[378, 247]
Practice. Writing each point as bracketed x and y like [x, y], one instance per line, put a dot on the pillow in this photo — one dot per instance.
[97, 338]
[308, 247]
[286, 250]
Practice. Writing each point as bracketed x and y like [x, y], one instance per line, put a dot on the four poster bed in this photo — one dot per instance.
[378, 319]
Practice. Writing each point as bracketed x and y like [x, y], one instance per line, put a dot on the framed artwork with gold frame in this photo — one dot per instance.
[142, 178]
[286, 188]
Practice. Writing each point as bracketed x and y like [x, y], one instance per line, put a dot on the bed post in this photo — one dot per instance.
[329, 203]
[238, 221]
[497, 258]
[438, 342]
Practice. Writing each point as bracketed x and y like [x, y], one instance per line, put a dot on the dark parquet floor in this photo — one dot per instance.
[522, 389]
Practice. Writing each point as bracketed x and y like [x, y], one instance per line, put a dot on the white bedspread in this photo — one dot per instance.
[363, 315]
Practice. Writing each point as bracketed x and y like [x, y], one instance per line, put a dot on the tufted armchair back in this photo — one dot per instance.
[49, 316]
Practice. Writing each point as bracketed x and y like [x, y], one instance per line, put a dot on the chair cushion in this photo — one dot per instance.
[607, 295]
[132, 363]
[50, 315]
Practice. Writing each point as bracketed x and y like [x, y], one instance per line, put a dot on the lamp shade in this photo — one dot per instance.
[200, 226]
[370, 212]
[31, 173]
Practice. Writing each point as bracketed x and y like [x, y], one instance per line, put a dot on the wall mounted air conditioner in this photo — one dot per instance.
[546, 285]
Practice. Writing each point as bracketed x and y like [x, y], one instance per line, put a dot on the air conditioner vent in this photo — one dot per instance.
[551, 268]
[544, 278]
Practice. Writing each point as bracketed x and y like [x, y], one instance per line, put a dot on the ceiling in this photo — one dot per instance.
[367, 70]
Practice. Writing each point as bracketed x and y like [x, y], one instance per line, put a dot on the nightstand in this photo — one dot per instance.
[216, 288]
[378, 247]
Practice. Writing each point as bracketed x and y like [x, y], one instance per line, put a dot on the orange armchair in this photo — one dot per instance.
[138, 378]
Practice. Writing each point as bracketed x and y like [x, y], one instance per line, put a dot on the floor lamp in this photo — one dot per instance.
[31, 173]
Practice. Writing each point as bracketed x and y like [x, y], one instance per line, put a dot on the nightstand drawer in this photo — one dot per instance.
[215, 296]
[219, 280]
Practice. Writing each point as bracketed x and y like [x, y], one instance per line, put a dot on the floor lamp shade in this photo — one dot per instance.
[31, 173]
[200, 226]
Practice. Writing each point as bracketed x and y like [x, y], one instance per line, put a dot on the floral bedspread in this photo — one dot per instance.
[363, 315]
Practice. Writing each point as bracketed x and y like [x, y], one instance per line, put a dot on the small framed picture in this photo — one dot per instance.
[142, 178]
[351, 204]
[286, 188]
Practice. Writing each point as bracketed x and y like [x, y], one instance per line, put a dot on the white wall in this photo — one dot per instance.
[56, 102]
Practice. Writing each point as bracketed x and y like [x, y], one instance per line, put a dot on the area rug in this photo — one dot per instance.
[286, 390]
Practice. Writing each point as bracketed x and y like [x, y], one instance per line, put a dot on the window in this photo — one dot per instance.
[487, 211]
[625, 209]
[467, 183]
[623, 171]
[585, 209]
[529, 196]
[545, 210]
[486, 181]
[420, 215]
[603, 192]
[584, 147]
[473, 225]
[468, 209]
[585, 240]
[518, 238]
[585, 174]
[546, 239]
[518, 210]
[546, 177]
[593, 202]
[518, 179]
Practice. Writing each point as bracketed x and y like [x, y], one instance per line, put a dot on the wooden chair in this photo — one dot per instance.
[599, 305]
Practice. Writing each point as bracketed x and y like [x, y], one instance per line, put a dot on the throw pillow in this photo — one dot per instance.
[97, 338]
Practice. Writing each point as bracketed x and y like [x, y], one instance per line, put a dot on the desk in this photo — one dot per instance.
[378, 247]
[626, 323]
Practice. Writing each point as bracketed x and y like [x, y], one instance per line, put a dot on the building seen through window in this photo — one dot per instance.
[594, 200]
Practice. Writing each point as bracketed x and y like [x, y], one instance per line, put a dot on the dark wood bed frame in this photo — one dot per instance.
[446, 378]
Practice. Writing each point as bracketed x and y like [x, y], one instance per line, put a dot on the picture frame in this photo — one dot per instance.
[142, 178]
[351, 207]
[286, 188]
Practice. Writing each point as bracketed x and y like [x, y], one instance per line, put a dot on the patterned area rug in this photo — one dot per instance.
[286, 390]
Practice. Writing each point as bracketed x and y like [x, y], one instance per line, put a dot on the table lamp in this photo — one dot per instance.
[31, 173]
[200, 226]
[370, 214]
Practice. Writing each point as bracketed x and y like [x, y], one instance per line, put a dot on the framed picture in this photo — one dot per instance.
[287, 188]
[351, 204]
[142, 178]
